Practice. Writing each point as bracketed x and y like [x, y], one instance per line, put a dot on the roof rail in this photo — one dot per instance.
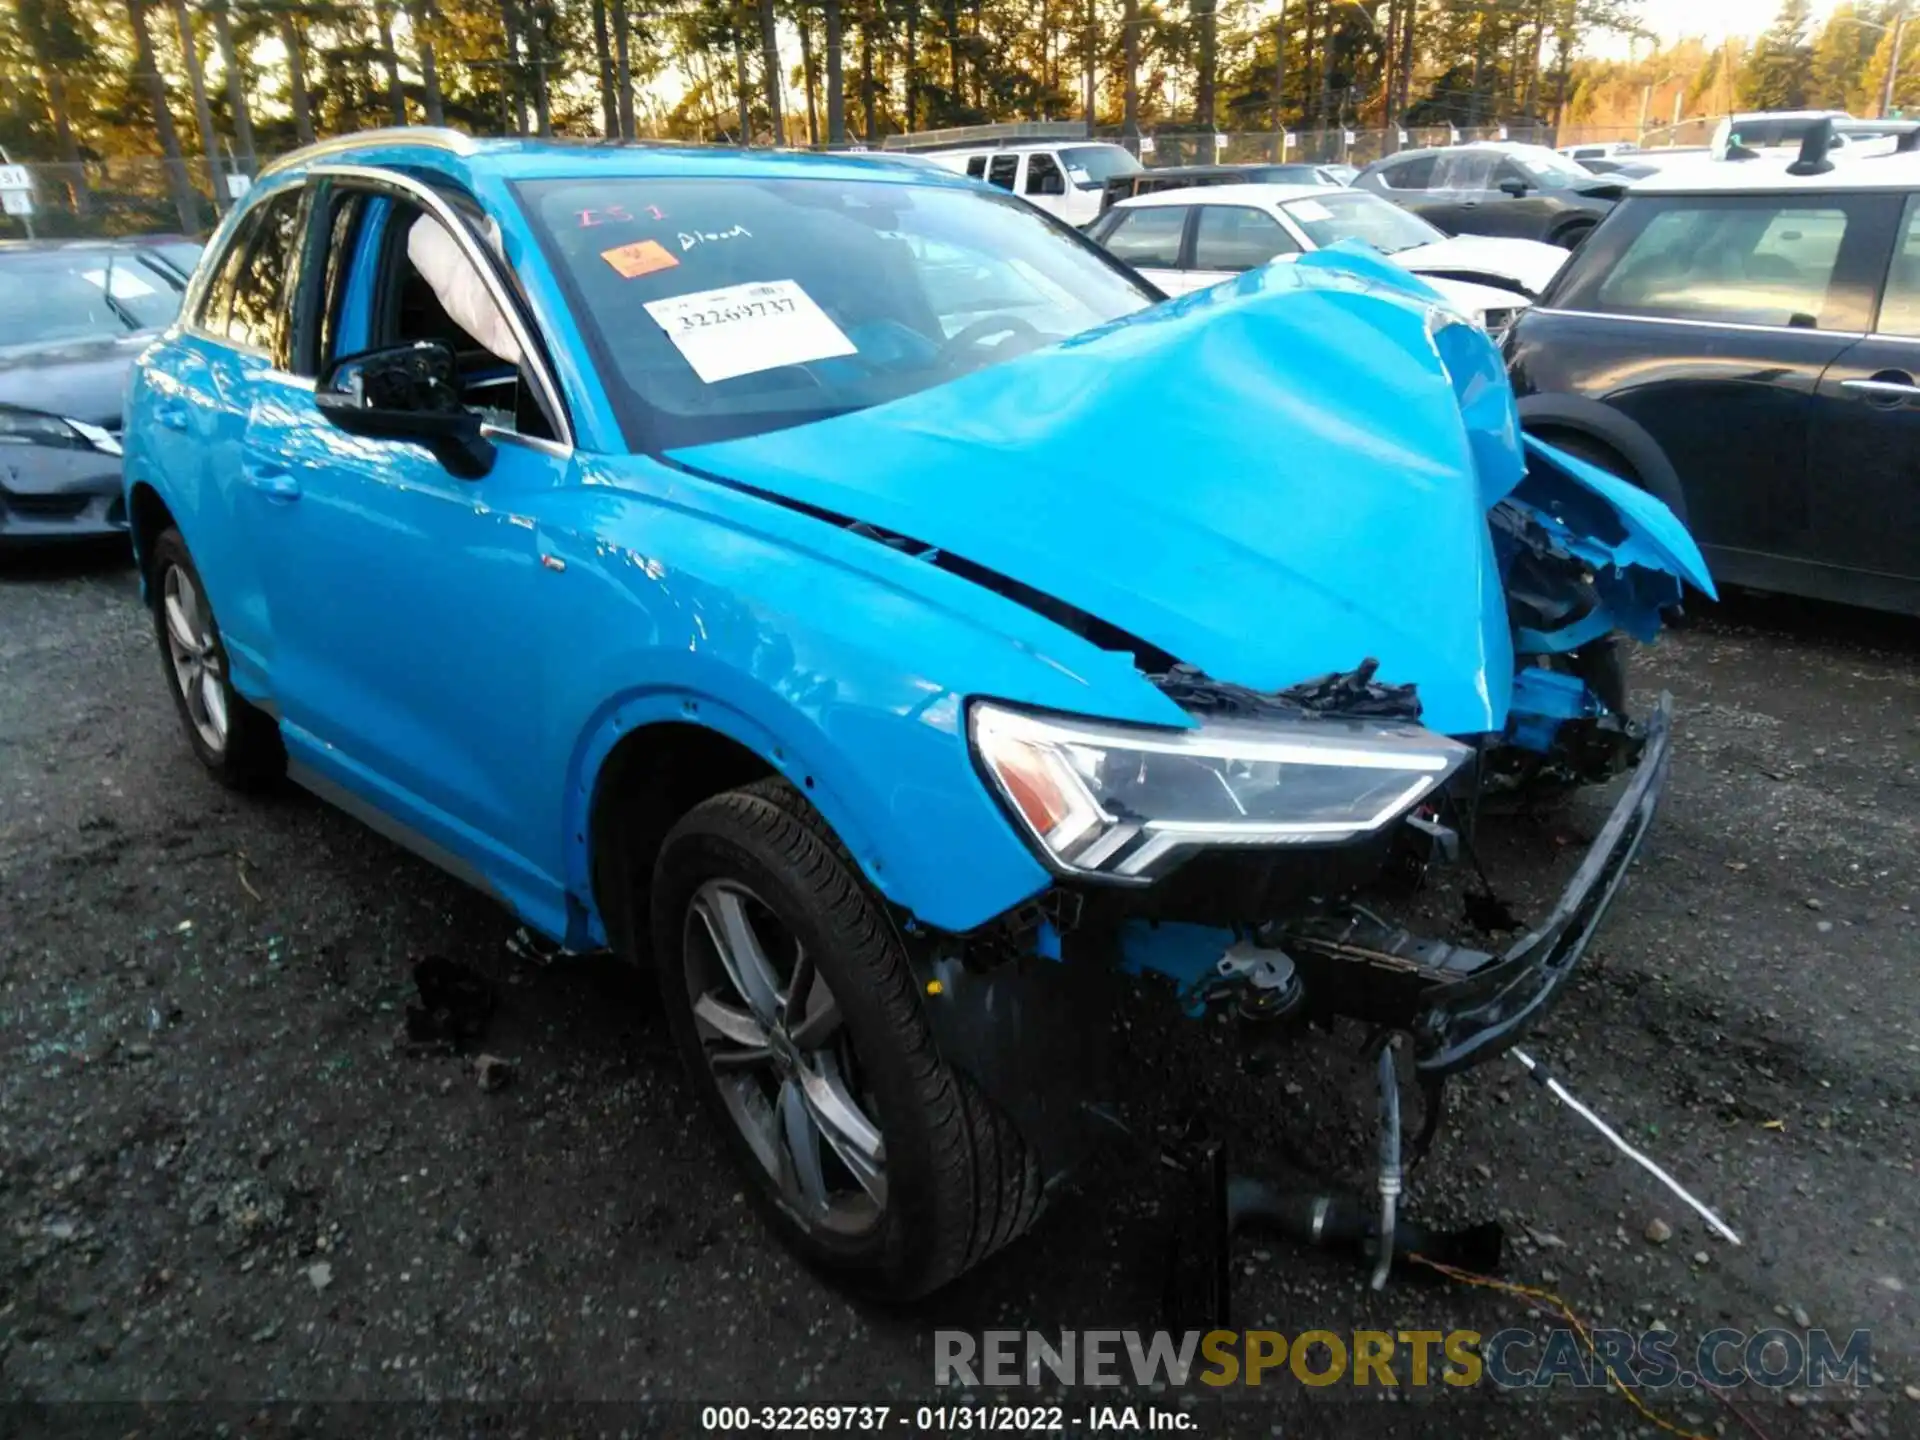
[438, 137]
[988, 136]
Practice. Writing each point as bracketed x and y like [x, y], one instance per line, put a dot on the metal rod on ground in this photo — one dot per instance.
[1565, 1097]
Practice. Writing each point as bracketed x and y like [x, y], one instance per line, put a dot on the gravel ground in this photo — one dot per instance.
[221, 1182]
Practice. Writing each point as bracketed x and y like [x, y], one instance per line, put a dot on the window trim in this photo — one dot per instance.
[532, 352]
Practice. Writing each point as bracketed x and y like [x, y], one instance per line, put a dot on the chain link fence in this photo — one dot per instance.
[148, 195]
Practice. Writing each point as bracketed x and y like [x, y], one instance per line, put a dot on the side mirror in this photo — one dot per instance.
[1515, 188]
[407, 392]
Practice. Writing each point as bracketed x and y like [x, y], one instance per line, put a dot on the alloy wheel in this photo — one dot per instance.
[197, 668]
[782, 1058]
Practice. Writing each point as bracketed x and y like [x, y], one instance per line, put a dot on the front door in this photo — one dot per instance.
[407, 664]
[1710, 320]
[1864, 467]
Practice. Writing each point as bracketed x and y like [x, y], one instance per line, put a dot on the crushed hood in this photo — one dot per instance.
[1269, 480]
[1526, 263]
[79, 380]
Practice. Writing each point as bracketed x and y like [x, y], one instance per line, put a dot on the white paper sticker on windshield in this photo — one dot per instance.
[740, 329]
[1309, 210]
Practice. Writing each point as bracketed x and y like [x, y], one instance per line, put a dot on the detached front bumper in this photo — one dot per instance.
[1460, 1005]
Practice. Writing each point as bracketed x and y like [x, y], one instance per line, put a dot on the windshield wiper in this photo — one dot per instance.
[127, 317]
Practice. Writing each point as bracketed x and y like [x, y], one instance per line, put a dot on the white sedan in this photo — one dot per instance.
[1185, 240]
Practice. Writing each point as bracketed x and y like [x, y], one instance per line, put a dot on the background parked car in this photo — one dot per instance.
[1186, 240]
[73, 317]
[1066, 180]
[1746, 343]
[1526, 191]
[1187, 177]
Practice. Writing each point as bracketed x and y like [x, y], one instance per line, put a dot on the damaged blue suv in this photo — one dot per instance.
[844, 589]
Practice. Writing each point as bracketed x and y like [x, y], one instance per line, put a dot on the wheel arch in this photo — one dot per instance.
[1546, 415]
[652, 755]
[147, 517]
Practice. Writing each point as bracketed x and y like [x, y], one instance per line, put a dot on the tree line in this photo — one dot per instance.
[99, 78]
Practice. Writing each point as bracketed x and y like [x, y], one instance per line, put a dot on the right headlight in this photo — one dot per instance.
[1126, 803]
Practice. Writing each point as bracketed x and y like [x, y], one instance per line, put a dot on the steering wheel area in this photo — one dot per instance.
[954, 350]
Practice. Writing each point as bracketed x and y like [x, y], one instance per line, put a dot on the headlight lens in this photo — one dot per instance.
[1128, 803]
[32, 427]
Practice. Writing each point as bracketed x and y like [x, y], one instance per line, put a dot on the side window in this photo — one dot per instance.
[428, 289]
[1149, 235]
[216, 304]
[1002, 170]
[1900, 310]
[1753, 260]
[977, 166]
[1414, 174]
[1462, 170]
[1238, 237]
[258, 313]
[1043, 175]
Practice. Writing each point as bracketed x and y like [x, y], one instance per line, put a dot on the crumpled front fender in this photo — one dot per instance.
[1638, 553]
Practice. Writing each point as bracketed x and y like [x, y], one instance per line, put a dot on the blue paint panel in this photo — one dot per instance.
[1222, 528]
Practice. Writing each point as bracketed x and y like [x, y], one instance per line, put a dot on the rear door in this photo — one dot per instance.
[1461, 187]
[202, 391]
[1864, 464]
[1709, 320]
[1231, 239]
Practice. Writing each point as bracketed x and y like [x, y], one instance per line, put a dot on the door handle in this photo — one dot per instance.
[171, 413]
[1888, 388]
[271, 481]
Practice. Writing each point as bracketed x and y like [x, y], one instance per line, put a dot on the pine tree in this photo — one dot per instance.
[1779, 73]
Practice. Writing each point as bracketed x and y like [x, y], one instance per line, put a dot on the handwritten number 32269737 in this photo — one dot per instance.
[721, 315]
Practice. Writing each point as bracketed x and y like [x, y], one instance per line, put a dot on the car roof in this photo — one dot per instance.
[1767, 174]
[468, 158]
[1739, 116]
[995, 147]
[1499, 147]
[1257, 194]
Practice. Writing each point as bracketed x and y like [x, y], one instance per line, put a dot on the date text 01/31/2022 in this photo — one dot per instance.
[940, 1419]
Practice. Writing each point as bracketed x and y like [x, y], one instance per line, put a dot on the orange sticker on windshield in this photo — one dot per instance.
[643, 257]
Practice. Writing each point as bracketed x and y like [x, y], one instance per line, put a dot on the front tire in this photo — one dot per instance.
[789, 995]
[239, 743]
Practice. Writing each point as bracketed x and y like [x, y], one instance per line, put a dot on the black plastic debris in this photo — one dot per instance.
[1489, 914]
[455, 1005]
[1342, 693]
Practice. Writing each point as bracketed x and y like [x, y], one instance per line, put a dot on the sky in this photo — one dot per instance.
[1713, 20]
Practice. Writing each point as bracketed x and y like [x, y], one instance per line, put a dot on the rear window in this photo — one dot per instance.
[1775, 260]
